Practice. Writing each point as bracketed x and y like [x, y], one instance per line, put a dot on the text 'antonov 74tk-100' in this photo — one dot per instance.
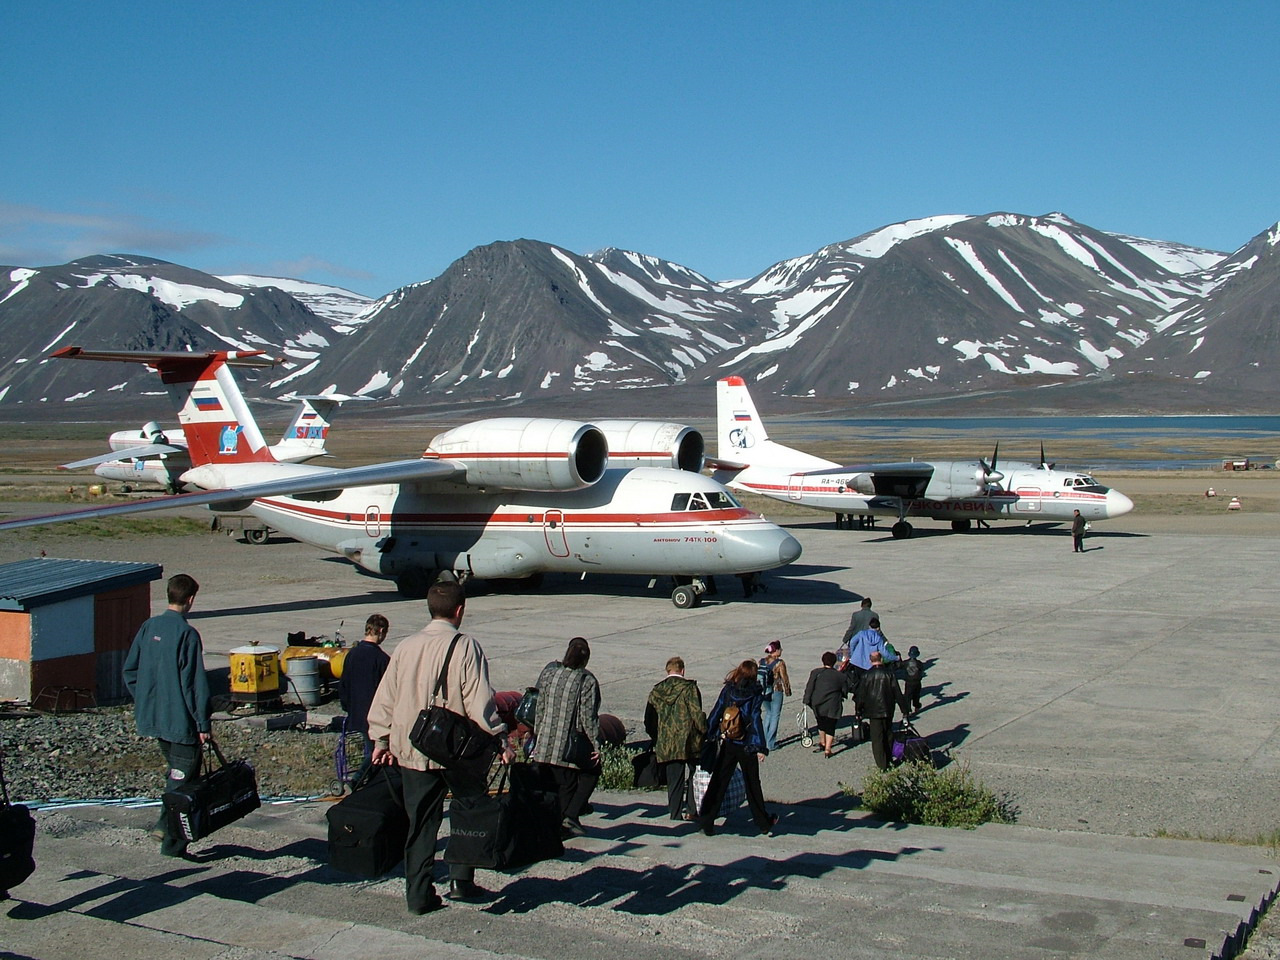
[961, 491]
[501, 498]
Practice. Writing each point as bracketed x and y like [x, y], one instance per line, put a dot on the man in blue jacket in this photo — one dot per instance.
[164, 673]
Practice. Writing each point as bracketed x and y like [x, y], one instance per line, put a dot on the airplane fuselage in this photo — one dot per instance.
[610, 527]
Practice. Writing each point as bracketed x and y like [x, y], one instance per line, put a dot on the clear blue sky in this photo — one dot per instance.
[371, 144]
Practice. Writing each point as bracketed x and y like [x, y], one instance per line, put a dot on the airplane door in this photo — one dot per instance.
[373, 522]
[553, 530]
[795, 489]
[1028, 500]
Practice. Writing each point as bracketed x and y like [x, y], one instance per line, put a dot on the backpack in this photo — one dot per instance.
[732, 723]
[764, 675]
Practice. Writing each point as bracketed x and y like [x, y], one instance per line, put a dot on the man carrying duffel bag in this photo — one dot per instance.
[164, 673]
[437, 658]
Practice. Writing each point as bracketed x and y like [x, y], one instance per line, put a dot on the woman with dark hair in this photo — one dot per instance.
[568, 732]
[824, 694]
[735, 723]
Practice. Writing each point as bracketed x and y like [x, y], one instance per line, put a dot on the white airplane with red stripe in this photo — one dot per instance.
[501, 498]
[961, 491]
[154, 455]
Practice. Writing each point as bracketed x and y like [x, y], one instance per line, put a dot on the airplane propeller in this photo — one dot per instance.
[1044, 464]
[990, 475]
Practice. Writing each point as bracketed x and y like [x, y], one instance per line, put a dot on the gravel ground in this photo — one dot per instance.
[97, 755]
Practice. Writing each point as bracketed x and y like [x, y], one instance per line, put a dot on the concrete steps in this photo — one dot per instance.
[832, 883]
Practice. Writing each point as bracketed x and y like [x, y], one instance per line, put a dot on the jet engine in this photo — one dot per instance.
[973, 479]
[653, 443]
[526, 454]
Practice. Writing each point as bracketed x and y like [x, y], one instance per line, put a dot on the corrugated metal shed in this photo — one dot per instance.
[43, 580]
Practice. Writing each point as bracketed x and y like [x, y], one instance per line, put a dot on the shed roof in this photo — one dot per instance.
[25, 584]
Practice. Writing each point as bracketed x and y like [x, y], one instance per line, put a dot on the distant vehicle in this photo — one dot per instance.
[962, 491]
[159, 457]
[504, 498]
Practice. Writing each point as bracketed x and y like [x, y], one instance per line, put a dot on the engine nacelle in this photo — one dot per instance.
[963, 480]
[653, 443]
[525, 453]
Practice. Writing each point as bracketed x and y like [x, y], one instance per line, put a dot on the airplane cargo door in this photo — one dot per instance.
[1028, 500]
[795, 489]
[553, 530]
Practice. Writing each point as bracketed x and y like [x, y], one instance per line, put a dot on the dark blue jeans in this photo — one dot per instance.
[182, 762]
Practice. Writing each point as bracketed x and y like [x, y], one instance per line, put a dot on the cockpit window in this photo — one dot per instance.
[722, 501]
[679, 502]
[1084, 483]
[713, 500]
[698, 502]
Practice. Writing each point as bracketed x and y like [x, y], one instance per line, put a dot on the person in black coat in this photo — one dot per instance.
[878, 694]
[824, 694]
[741, 699]
[362, 671]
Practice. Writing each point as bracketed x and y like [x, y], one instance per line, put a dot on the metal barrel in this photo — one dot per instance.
[304, 676]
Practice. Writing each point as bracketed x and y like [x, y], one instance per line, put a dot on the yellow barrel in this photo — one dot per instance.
[330, 658]
[255, 673]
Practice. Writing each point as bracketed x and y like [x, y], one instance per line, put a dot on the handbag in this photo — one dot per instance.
[215, 798]
[508, 829]
[450, 739]
[648, 772]
[367, 828]
[17, 840]
[527, 708]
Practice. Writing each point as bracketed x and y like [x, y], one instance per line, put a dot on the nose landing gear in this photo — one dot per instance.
[687, 595]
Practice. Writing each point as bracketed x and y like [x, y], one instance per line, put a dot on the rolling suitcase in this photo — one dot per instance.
[909, 747]
[367, 829]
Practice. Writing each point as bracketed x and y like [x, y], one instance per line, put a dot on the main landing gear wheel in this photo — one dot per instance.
[901, 530]
[257, 536]
[960, 526]
[685, 597]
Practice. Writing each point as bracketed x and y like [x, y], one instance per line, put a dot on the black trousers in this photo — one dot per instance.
[881, 740]
[911, 695]
[575, 788]
[182, 762]
[424, 792]
[729, 756]
[679, 789]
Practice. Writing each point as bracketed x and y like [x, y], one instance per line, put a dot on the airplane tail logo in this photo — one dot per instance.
[216, 421]
[306, 434]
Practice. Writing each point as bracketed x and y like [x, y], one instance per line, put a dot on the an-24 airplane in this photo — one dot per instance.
[157, 456]
[502, 498]
[961, 491]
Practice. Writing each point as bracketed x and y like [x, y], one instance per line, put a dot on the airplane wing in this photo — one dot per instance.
[887, 479]
[141, 452]
[314, 480]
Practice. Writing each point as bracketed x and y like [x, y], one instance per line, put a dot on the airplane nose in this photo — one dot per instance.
[789, 549]
[1118, 504]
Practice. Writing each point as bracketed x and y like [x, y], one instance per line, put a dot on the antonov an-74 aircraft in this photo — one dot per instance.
[501, 498]
[957, 490]
[157, 456]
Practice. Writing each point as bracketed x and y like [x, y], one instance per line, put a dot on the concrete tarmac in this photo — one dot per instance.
[1112, 695]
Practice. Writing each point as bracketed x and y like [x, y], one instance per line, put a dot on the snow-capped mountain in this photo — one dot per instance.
[939, 307]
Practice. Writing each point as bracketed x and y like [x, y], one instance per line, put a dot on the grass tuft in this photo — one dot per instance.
[918, 793]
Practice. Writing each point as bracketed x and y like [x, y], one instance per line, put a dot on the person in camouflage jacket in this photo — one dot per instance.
[674, 720]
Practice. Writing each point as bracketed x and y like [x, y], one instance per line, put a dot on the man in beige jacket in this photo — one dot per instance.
[405, 689]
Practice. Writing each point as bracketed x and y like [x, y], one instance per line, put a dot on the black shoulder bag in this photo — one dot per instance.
[17, 840]
[454, 741]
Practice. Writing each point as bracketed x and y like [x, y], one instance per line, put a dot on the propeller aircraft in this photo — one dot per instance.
[157, 456]
[961, 491]
[499, 498]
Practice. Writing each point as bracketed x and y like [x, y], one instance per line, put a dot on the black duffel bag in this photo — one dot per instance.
[509, 829]
[367, 829]
[216, 797]
[17, 839]
[450, 739]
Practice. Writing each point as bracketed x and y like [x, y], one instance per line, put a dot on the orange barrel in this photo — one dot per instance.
[255, 673]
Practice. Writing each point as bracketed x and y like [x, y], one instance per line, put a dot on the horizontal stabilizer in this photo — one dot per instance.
[233, 358]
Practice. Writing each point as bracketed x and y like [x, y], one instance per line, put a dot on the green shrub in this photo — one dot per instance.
[917, 793]
[618, 773]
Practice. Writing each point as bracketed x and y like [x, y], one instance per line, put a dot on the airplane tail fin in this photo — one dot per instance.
[304, 439]
[741, 437]
[217, 423]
